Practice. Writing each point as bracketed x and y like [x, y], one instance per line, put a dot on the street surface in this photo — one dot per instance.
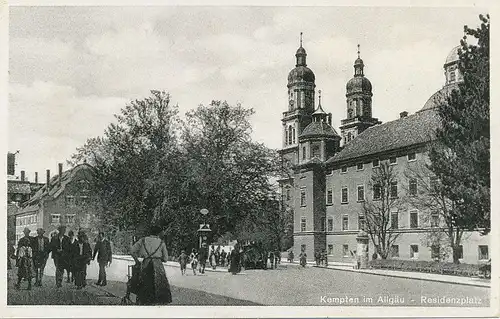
[293, 285]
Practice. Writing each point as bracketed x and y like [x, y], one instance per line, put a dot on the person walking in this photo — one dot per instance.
[82, 254]
[213, 260]
[69, 269]
[24, 259]
[303, 258]
[290, 256]
[223, 256]
[271, 259]
[104, 257]
[194, 260]
[234, 265]
[202, 257]
[277, 258]
[61, 253]
[317, 257]
[183, 260]
[154, 287]
[41, 251]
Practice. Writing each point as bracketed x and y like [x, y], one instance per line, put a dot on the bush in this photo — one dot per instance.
[434, 267]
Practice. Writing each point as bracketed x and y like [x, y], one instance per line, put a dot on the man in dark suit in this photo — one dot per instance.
[82, 252]
[41, 250]
[61, 251]
[104, 257]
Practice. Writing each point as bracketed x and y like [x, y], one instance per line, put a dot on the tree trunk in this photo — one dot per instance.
[456, 255]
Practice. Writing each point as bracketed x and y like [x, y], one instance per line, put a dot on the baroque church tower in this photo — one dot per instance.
[300, 106]
[359, 104]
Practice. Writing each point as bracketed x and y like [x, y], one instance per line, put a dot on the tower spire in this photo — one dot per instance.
[358, 51]
[301, 39]
[319, 97]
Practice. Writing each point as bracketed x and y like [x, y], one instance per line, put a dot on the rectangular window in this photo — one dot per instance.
[345, 195]
[394, 189]
[55, 218]
[395, 251]
[343, 169]
[435, 251]
[377, 191]
[414, 251]
[434, 220]
[70, 200]
[361, 193]
[303, 224]
[376, 163]
[302, 197]
[412, 157]
[413, 219]
[394, 220]
[345, 250]
[460, 252]
[412, 187]
[433, 184]
[330, 224]
[329, 197]
[393, 160]
[361, 223]
[70, 219]
[304, 153]
[345, 223]
[359, 166]
[323, 223]
[330, 250]
[483, 252]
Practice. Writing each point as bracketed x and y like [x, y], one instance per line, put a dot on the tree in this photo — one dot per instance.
[377, 211]
[227, 173]
[460, 155]
[439, 211]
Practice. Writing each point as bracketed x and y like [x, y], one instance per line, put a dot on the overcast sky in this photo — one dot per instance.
[72, 68]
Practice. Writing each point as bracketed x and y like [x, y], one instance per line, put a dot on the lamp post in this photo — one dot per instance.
[204, 229]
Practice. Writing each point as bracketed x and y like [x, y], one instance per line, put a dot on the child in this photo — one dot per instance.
[183, 260]
[194, 260]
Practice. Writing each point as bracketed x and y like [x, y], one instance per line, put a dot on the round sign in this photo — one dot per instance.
[204, 211]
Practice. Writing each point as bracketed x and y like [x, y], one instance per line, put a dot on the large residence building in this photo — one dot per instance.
[330, 179]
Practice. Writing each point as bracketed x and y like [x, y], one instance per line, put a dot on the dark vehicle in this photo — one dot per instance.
[485, 270]
[254, 257]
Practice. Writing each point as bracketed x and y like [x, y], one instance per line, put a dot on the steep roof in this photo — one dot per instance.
[411, 130]
[55, 188]
[318, 128]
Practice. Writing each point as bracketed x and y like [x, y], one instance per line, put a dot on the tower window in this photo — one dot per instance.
[302, 197]
[303, 224]
[290, 133]
[452, 76]
[293, 135]
[303, 153]
[315, 151]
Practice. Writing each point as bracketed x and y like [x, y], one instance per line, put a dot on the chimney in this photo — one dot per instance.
[36, 177]
[48, 180]
[23, 176]
[403, 114]
[60, 173]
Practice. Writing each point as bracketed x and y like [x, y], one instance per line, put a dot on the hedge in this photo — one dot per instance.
[467, 270]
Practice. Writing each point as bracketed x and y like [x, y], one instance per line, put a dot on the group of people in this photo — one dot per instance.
[69, 254]
[216, 257]
[274, 258]
[321, 258]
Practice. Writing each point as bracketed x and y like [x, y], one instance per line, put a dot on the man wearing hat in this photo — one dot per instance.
[60, 246]
[41, 250]
[24, 259]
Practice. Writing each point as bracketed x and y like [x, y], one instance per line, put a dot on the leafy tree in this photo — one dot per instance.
[377, 211]
[460, 157]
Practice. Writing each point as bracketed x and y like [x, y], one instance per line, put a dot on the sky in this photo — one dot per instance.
[72, 68]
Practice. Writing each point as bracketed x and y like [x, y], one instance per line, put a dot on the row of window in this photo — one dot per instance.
[56, 219]
[327, 224]
[483, 253]
[74, 200]
[26, 220]
[376, 162]
[290, 135]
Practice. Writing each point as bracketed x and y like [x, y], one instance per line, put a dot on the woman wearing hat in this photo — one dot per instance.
[24, 259]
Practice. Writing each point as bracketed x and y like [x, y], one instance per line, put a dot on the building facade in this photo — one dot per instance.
[66, 199]
[329, 176]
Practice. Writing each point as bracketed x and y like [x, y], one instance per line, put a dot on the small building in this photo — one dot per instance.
[66, 199]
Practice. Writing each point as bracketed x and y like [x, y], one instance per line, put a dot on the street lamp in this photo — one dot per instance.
[204, 229]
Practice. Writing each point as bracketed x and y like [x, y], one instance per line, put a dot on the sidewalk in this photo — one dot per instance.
[468, 281]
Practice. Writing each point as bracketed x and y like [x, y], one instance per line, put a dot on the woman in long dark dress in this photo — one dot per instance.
[154, 288]
[234, 266]
[24, 261]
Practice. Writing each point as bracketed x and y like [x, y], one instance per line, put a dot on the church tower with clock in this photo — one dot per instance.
[300, 106]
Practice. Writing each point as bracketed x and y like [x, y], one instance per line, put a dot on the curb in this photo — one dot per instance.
[171, 264]
[409, 277]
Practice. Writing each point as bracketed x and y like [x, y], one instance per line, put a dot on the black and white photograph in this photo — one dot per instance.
[286, 160]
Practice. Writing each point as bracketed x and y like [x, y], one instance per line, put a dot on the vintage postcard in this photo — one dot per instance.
[250, 160]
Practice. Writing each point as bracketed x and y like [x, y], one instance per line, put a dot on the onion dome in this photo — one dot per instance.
[452, 56]
[359, 83]
[301, 73]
